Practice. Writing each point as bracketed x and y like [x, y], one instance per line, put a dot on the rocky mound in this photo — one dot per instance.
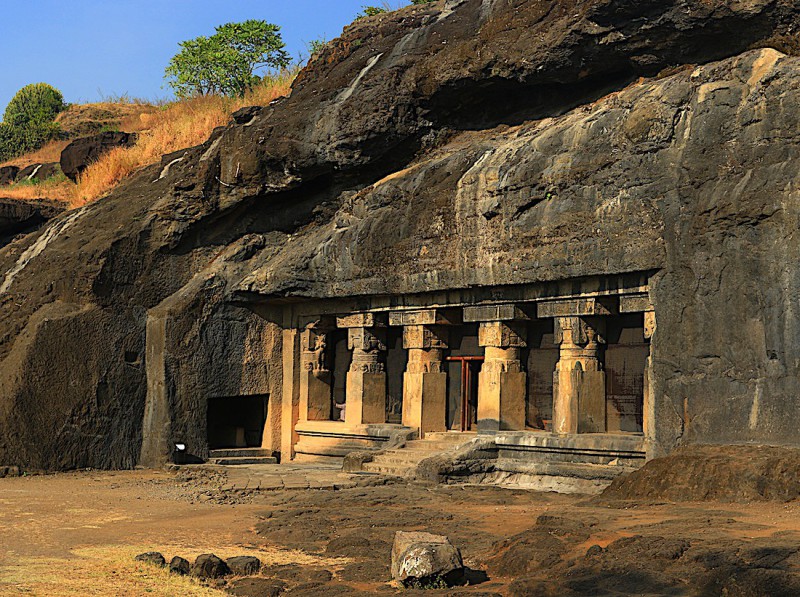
[449, 145]
[714, 473]
[645, 564]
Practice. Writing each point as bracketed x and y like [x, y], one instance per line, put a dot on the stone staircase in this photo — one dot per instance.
[234, 456]
[396, 463]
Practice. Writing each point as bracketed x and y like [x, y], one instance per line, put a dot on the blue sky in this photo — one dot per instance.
[94, 48]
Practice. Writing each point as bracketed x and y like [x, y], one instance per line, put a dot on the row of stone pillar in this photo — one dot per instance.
[579, 379]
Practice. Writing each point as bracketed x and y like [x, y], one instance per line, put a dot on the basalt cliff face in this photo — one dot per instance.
[457, 144]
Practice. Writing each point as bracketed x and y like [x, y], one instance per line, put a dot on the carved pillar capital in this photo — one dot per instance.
[502, 334]
[368, 345]
[580, 341]
[502, 341]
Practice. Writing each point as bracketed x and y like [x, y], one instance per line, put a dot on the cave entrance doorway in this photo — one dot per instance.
[237, 421]
[462, 392]
[626, 357]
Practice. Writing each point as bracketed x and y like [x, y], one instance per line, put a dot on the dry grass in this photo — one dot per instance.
[59, 190]
[46, 155]
[174, 126]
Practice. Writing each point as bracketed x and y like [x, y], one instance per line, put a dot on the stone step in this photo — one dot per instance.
[244, 460]
[239, 453]
[403, 459]
[455, 437]
[384, 469]
[431, 445]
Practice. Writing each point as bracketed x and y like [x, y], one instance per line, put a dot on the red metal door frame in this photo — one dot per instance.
[466, 387]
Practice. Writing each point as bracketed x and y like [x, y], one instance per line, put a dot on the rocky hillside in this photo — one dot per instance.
[459, 143]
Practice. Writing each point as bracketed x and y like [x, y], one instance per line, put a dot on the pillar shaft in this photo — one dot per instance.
[579, 384]
[424, 382]
[502, 383]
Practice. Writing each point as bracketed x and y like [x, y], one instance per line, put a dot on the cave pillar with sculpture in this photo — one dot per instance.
[316, 378]
[365, 398]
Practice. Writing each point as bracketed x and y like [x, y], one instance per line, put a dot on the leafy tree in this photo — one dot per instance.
[225, 63]
[28, 122]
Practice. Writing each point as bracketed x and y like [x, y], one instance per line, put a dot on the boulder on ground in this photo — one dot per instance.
[244, 565]
[38, 172]
[9, 471]
[179, 565]
[424, 558]
[208, 565]
[8, 174]
[152, 557]
[77, 156]
[256, 587]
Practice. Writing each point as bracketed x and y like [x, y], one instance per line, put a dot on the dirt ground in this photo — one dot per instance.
[77, 534]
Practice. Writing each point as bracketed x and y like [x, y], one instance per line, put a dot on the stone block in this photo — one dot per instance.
[420, 558]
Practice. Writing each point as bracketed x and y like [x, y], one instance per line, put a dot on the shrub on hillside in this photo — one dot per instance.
[29, 119]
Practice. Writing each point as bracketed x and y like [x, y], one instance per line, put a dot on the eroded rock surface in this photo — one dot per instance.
[451, 145]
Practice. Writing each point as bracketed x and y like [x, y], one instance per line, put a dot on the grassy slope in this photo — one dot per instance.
[162, 130]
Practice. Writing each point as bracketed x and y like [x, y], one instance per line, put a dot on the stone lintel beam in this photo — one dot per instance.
[491, 313]
[579, 307]
[362, 320]
[635, 303]
[425, 317]
[321, 323]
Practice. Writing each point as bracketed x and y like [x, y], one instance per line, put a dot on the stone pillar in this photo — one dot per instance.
[290, 395]
[579, 384]
[366, 380]
[424, 382]
[316, 392]
[648, 414]
[502, 383]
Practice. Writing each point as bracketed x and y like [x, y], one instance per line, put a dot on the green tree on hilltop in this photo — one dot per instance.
[225, 63]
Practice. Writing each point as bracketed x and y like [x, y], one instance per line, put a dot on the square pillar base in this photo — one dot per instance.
[315, 395]
[501, 401]
[366, 398]
[425, 402]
